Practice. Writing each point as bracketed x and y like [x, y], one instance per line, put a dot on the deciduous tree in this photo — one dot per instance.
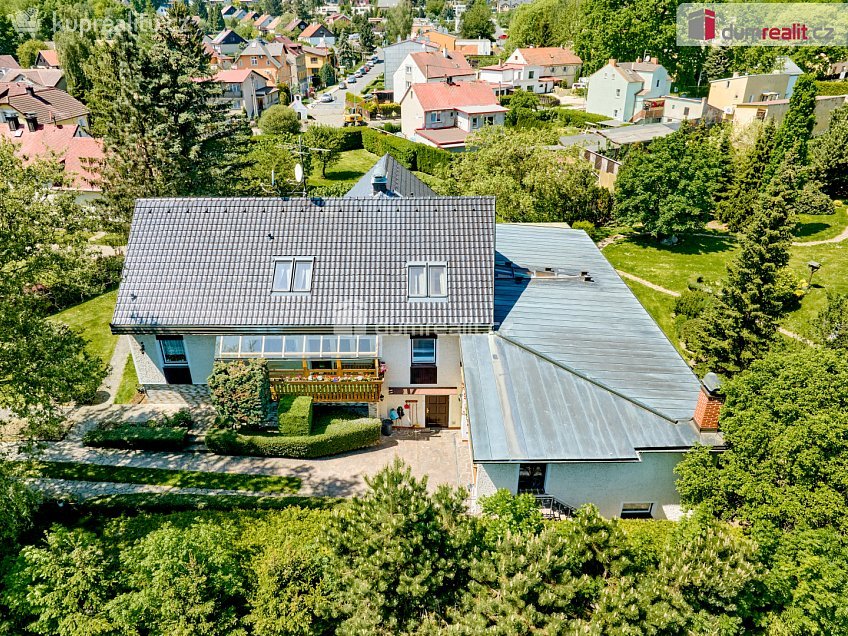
[279, 120]
[326, 142]
[476, 21]
[399, 22]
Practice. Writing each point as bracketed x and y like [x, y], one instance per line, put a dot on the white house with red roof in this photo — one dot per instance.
[317, 35]
[443, 114]
[420, 67]
[77, 152]
[534, 69]
[245, 90]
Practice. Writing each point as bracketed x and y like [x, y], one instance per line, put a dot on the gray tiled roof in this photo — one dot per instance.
[598, 328]
[400, 182]
[205, 265]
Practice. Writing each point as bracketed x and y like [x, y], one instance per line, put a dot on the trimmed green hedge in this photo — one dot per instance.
[409, 154]
[241, 392]
[339, 437]
[833, 87]
[351, 139]
[135, 437]
[294, 414]
[136, 503]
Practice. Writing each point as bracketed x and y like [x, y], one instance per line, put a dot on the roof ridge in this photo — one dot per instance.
[583, 376]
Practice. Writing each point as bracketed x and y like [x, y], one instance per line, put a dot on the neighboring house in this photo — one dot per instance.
[263, 22]
[536, 70]
[387, 4]
[678, 109]
[78, 153]
[360, 7]
[776, 109]
[316, 57]
[279, 62]
[228, 42]
[602, 147]
[274, 24]
[474, 47]
[317, 35]
[245, 90]
[377, 24]
[338, 20]
[726, 93]
[296, 26]
[48, 58]
[230, 12]
[8, 61]
[22, 101]
[522, 337]
[422, 67]
[442, 40]
[837, 71]
[628, 91]
[51, 77]
[443, 114]
[217, 60]
[394, 55]
[250, 16]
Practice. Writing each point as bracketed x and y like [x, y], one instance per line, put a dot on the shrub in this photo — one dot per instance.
[380, 143]
[431, 160]
[295, 415]
[586, 226]
[692, 303]
[279, 120]
[340, 436]
[180, 419]
[839, 87]
[131, 504]
[351, 139]
[390, 127]
[241, 392]
[138, 437]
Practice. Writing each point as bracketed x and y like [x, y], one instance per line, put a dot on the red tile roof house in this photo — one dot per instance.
[317, 35]
[47, 105]
[444, 114]
[78, 153]
[246, 90]
[421, 67]
[48, 58]
[535, 69]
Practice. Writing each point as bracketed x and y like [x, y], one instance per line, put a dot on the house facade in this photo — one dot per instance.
[314, 58]
[624, 91]
[317, 35]
[277, 61]
[20, 101]
[420, 67]
[536, 70]
[523, 337]
[393, 57]
[228, 43]
[727, 93]
[444, 114]
[775, 110]
[247, 91]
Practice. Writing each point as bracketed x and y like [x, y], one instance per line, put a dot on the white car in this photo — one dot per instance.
[326, 98]
[342, 85]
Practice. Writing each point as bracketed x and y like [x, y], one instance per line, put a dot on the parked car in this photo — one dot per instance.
[351, 79]
[326, 98]
[366, 68]
[342, 85]
[358, 74]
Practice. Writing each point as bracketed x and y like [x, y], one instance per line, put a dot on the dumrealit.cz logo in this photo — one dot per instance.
[762, 24]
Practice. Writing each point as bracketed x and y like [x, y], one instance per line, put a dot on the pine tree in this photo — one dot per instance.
[327, 74]
[797, 126]
[162, 130]
[366, 37]
[216, 20]
[829, 154]
[737, 206]
[741, 325]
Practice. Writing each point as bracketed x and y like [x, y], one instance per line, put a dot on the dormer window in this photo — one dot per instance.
[427, 280]
[293, 274]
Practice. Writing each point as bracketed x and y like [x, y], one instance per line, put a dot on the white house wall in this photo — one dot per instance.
[607, 485]
[148, 365]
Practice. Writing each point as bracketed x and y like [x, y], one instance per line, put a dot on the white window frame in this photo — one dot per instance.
[436, 117]
[427, 265]
[254, 61]
[293, 263]
[428, 362]
[488, 120]
[637, 508]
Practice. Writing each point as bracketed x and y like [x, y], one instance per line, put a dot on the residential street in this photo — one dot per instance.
[333, 113]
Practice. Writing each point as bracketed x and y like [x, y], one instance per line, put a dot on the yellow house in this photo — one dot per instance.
[727, 93]
[442, 40]
[316, 57]
[776, 110]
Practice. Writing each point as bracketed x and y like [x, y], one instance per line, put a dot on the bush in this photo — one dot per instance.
[390, 127]
[340, 436]
[431, 160]
[81, 280]
[295, 415]
[839, 87]
[409, 154]
[241, 392]
[279, 120]
[135, 503]
[692, 303]
[586, 226]
[138, 437]
[180, 419]
[351, 139]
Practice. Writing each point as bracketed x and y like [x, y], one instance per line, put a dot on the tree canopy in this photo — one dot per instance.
[476, 21]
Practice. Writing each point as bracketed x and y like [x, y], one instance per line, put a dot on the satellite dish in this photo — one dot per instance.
[298, 173]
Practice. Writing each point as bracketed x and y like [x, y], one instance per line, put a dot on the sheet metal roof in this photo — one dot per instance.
[598, 328]
[204, 265]
[523, 407]
[400, 182]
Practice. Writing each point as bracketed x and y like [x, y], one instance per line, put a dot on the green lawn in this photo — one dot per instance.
[91, 320]
[673, 266]
[821, 227]
[833, 276]
[129, 384]
[161, 477]
[352, 165]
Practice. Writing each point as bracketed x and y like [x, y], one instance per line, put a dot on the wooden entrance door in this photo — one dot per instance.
[437, 408]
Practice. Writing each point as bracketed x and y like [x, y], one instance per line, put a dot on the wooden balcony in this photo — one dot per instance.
[329, 385]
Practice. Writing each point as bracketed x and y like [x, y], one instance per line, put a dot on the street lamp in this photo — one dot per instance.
[814, 267]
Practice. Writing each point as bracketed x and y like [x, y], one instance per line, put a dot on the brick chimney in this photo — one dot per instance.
[709, 403]
[613, 61]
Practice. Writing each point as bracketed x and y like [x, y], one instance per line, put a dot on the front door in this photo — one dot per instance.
[174, 360]
[437, 410]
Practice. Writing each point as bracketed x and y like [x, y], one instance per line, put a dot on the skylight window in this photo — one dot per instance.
[427, 280]
[293, 274]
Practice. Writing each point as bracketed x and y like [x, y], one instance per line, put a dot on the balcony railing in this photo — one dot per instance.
[331, 385]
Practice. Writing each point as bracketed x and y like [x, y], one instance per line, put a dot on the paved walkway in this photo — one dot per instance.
[439, 454]
[669, 292]
[116, 370]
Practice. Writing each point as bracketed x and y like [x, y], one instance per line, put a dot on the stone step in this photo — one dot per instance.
[197, 447]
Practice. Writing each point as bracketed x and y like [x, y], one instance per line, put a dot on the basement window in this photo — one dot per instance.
[637, 511]
[293, 274]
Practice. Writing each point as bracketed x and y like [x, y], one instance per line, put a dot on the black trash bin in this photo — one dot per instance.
[387, 427]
